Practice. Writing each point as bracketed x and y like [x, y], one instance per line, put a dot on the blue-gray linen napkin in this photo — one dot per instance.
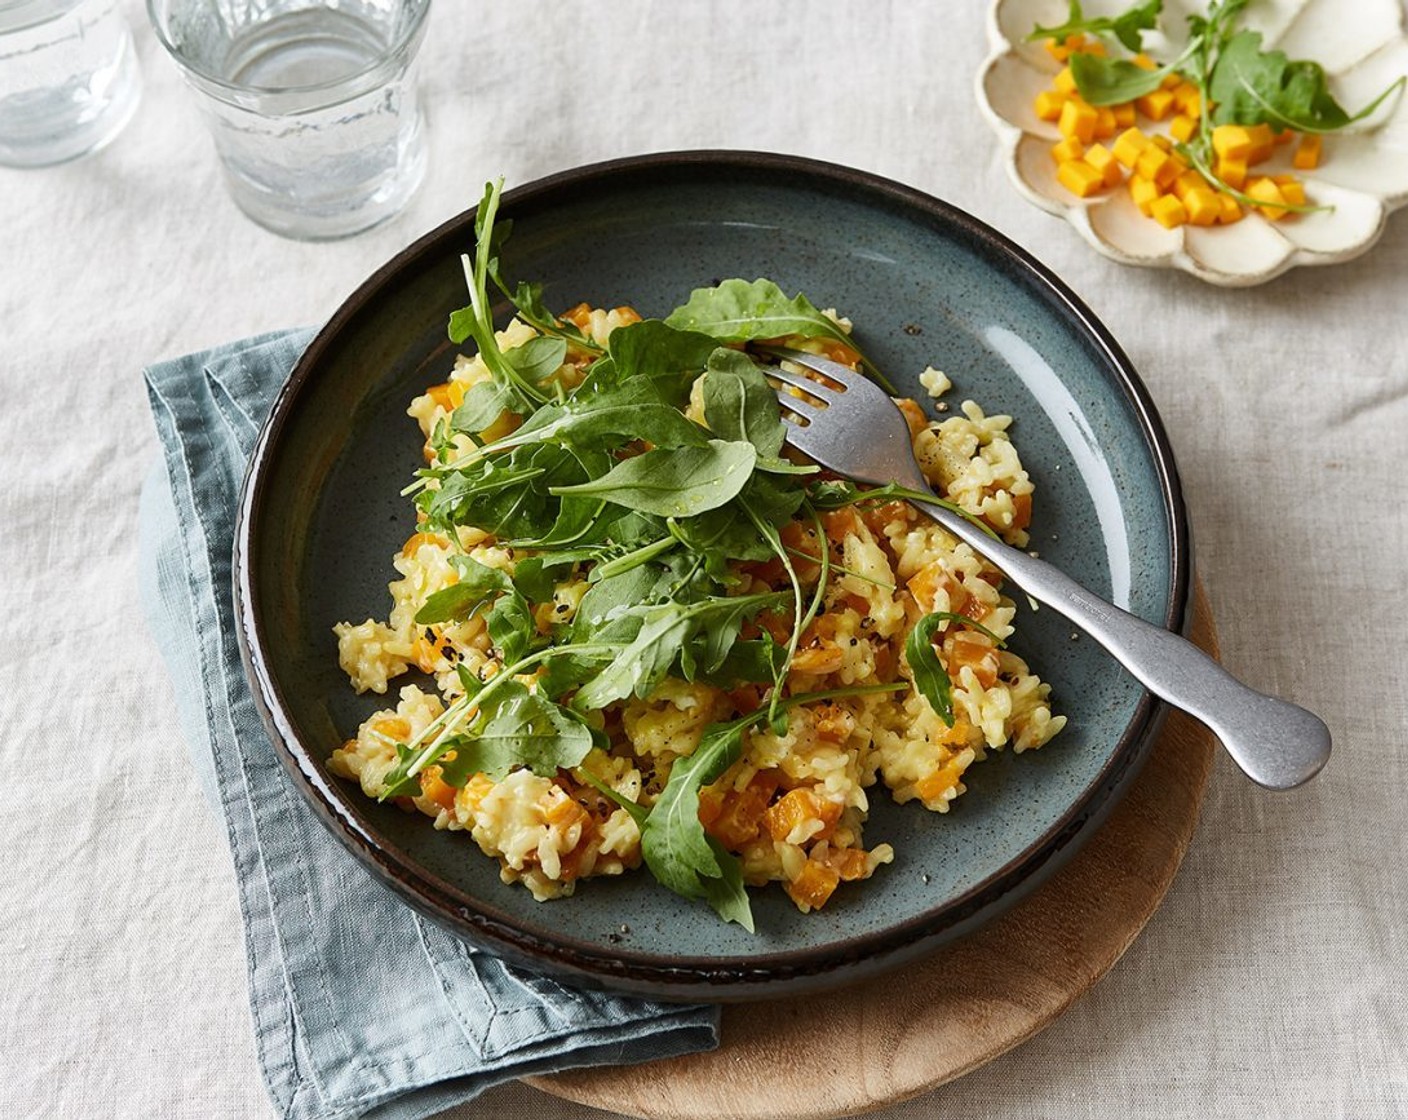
[338, 1032]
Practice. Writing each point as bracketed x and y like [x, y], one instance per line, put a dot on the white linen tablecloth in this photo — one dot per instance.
[1272, 981]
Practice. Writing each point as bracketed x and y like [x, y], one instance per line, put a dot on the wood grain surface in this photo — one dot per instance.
[955, 1011]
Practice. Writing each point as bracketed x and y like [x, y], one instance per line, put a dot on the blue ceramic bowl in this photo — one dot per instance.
[925, 284]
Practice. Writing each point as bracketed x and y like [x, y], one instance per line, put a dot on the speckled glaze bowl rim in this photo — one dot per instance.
[619, 967]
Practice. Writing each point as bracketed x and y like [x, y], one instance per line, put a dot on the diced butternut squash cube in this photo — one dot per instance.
[1128, 146]
[1292, 189]
[1144, 193]
[1232, 141]
[1157, 105]
[1169, 173]
[1104, 122]
[1064, 82]
[1188, 99]
[1188, 181]
[1263, 143]
[1126, 115]
[1307, 157]
[1182, 128]
[1171, 82]
[1104, 161]
[813, 886]
[1048, 104]
[1285, 136]
[1270, 201]
[1202, 205]
[1161, 141]
[1059, 51]
[1168, 211]
[1077, 120]
[1068, 149]
[1095, 47]
[1080, 178]
[1231, 209]
[1075, 42]
[1153, 163]
[1233, 172]
[1144, 62]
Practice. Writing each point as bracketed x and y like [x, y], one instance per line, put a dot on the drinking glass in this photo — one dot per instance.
[313, 106]
[68, 79]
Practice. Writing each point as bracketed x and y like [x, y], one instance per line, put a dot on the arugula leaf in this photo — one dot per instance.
[477, 584]
[451, 604]
[665, 357]
[664, 630]
[603, 422]
[930, 675]
[610, 598]
[538, 358]
[534, 577]
[507, 496]
[678, 483]
[1110, 81]
[476, 321]
[672, 840]
[1128, 27]
[720, 535]
[482, 406]
[737, 311]
[1252, 86]
[510, 625]
[754, 661]
[522, 729]
[739, 404]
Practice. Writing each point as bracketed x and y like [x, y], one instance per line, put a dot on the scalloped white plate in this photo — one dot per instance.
[1363, 175]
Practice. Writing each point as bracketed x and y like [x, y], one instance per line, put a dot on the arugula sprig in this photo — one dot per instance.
[1127, 27]
[476, 321]
[930, 675]
[679, 853]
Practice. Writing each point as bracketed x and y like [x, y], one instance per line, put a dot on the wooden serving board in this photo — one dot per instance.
[881, 1043]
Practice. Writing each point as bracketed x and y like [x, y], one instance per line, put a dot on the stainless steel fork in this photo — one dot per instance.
[853, 427]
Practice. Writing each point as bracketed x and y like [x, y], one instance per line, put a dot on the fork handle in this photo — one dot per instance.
[1276, 743]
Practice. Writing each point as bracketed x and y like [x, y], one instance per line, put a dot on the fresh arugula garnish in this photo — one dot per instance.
[478, 583]
[740, 311]
[740, 405]
[679, 853]
[1128, 27]
[522, 729]
[476, 321]
[927, 668]
[1111, 81]
[674, 483]
[1253, 86]
[665, 630]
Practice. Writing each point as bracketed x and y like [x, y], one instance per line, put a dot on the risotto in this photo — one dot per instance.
[608, 670]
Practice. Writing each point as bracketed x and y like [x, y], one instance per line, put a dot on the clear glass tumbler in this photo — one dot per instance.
[68, 79]
[313, 106]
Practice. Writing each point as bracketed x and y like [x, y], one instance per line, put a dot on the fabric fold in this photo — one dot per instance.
[359, 1007]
